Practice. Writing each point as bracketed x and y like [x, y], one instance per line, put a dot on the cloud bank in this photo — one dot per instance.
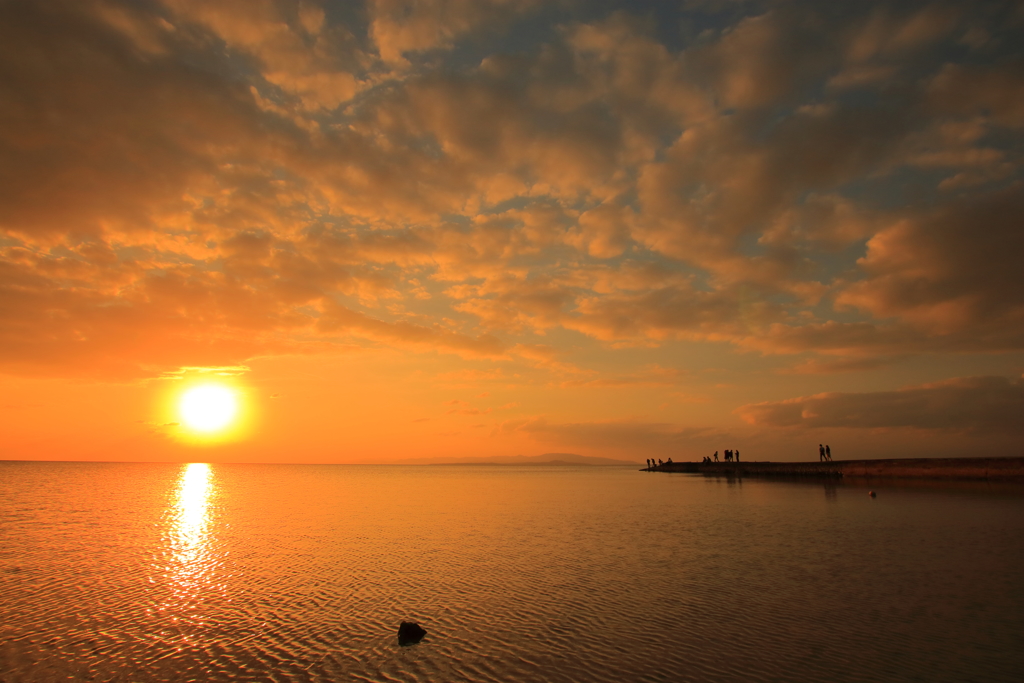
[981, 405]
[829, 189]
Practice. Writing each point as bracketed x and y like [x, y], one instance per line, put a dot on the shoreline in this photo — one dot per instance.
[959, 469]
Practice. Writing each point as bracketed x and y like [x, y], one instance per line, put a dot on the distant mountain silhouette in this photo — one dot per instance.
[543, 459]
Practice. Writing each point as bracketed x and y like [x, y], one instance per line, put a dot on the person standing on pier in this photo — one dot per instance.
[821, 453]
[737, 456]
[716, 456]
[828, 453]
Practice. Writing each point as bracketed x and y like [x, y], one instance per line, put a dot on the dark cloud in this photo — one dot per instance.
[977, 405]
[399, 28]
[952, 271]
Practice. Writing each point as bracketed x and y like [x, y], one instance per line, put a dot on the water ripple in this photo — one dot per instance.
[166, 573]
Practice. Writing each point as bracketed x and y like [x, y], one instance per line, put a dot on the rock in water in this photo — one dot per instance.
[409, 633]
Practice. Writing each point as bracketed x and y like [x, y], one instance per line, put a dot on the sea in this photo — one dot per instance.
[230, 572]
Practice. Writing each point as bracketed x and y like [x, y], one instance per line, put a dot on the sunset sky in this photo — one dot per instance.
[408, 230]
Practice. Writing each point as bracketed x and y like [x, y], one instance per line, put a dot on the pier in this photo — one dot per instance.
[963, 469]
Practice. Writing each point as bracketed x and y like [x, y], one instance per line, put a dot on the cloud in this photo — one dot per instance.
[402, 26]
[98, 136]
[179, 318]
[338, 319]
[681, 312]
[763, 60]
[296, 51]
[975, 405]
[992, 91]
[729, 179]
[516, 305]
[193, 184]
[612, 435]
[603, 231]
[949, 272]
[817, 366]
[650, 376]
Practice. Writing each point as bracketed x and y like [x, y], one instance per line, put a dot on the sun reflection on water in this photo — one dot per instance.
[192, 517]
[191, 562]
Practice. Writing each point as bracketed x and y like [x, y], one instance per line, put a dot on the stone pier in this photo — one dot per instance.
[964, 469]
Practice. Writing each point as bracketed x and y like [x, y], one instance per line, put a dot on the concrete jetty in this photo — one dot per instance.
[962, 469]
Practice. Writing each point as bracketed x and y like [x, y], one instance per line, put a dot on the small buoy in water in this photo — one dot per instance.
[871, 493]
[410, 632]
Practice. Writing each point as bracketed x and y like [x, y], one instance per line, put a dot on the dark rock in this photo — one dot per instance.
[409, 633]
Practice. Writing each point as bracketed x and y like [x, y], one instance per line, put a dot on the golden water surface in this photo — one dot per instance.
[141, 572]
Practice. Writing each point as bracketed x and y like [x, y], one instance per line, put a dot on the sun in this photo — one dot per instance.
[208, 408]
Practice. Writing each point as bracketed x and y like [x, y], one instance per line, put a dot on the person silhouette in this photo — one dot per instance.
[716, 456]
[737, 456]
[821, 453]
[828, 453]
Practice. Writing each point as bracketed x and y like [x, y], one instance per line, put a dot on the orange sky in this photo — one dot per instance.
[440, 229]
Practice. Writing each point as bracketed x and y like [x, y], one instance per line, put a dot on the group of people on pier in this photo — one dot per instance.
[729, 455]
[652, 463]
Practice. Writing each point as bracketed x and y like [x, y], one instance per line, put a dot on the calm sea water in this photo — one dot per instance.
[141, 572]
